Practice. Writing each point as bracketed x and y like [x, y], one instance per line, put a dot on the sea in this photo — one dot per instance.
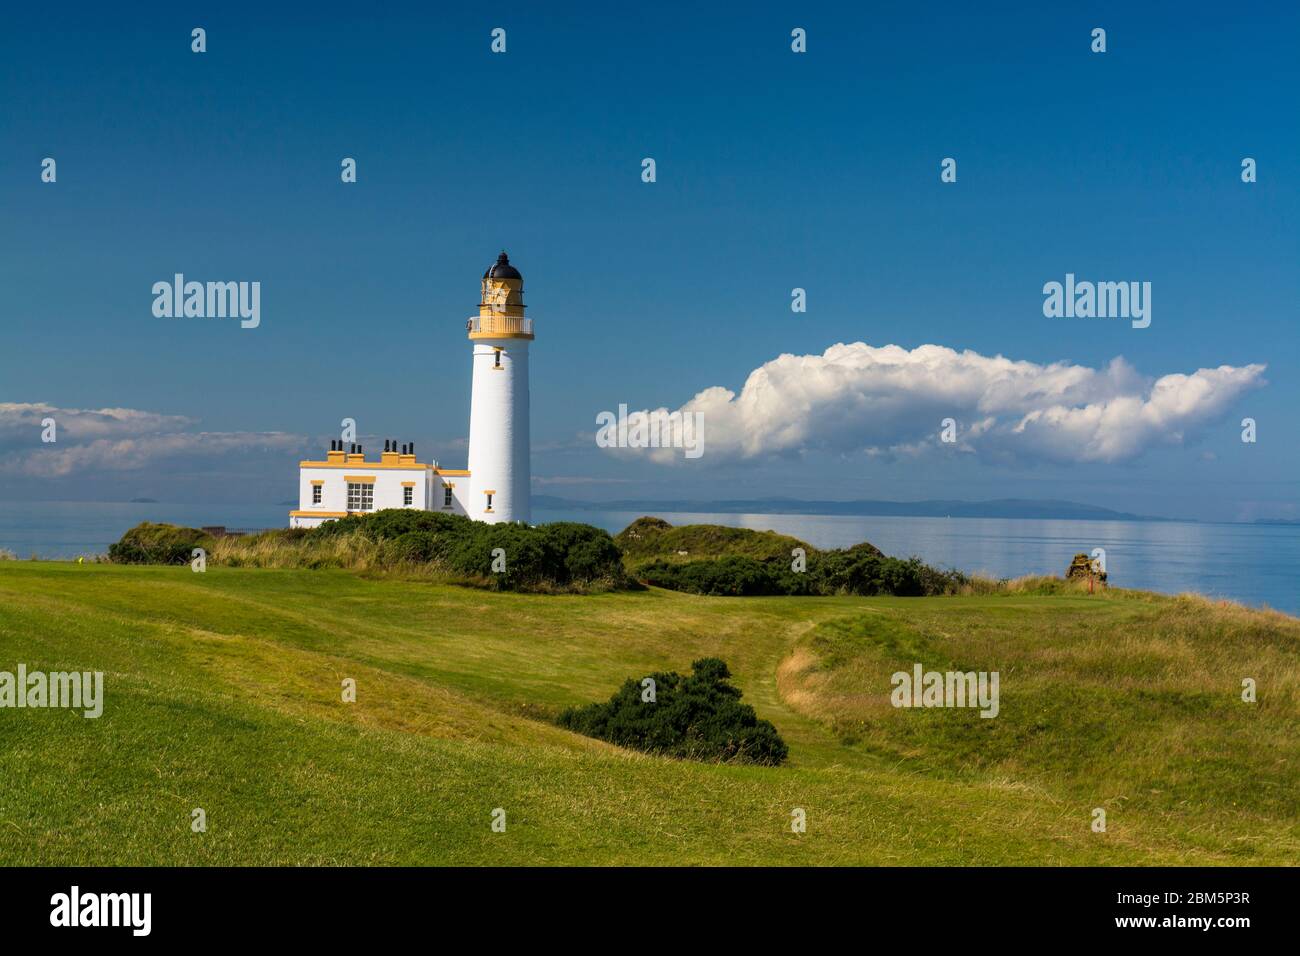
[1257, 565]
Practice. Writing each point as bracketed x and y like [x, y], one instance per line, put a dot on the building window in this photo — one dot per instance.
[315, 494]
[497, 363]
[446, 496]
[361, 496]
[489, 501]
[408, 496]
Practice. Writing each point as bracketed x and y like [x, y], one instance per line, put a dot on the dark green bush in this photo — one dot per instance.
[149, 543]
[697, 717]
[564, 554]
[561, 555]
[734, 576]
[860, 570]
[416, 547]
[394, 522]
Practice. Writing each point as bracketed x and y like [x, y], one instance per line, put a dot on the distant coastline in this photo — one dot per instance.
[931, 508]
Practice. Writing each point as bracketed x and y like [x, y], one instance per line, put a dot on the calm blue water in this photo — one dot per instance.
[1254, 564]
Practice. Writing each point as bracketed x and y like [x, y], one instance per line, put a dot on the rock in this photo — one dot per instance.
[1082, 566]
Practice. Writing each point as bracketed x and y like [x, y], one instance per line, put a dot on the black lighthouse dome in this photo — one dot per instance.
[502, 269]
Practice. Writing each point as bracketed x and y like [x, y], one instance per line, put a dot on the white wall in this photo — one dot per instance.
[427, 491]
[499, 441]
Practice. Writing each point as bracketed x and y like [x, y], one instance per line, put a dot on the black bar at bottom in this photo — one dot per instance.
[926, 906]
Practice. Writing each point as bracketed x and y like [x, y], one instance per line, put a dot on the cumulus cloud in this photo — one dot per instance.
[858, 399]
[114, 439]
[19, 421]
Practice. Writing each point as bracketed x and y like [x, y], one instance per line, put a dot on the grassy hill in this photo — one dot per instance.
[648, 539]
[223, 692]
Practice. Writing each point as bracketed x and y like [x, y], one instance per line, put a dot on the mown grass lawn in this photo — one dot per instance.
[223, 692]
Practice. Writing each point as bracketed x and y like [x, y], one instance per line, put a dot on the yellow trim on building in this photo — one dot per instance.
[369, 464]
[318, 481]
[474, 336]
[461, 472]
[408, 484]
[360, 479]
[318, 514]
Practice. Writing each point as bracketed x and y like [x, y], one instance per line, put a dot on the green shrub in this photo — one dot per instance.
[697, 717]
[733, 576]
[149, 543]
[861, 570]
[648, 539]
[564, 555]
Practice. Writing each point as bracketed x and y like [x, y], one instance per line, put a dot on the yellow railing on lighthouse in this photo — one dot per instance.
[500, 326]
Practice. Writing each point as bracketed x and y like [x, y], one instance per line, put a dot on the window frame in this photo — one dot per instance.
[363, 499]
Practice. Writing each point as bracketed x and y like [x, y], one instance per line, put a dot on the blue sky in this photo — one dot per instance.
[775, 170]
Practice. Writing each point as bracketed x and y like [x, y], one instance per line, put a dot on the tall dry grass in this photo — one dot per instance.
[279, 549]
[352, 552]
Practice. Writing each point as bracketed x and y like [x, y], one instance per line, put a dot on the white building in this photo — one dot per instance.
[496, 486]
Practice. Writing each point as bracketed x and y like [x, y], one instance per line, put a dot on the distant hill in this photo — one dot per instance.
[932, 508]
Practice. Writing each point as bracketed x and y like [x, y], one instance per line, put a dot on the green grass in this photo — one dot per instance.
[223, 692]
[648, 539]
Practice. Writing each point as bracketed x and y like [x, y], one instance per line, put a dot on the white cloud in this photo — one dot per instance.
[115, 439]
[20, 421]
[890, 401]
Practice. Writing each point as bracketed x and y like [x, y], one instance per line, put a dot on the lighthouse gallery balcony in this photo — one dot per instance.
[499, 326]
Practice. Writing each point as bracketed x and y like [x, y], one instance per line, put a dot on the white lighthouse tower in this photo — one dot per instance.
[499, 445]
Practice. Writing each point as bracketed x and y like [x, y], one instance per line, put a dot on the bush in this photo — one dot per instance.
[559, 556]
[860, 570]
[733, 576]
[149, 543]
[649, 539]
[697, 717]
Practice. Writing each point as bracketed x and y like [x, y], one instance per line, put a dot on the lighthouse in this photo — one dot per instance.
[495, 486]
[499, 444]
